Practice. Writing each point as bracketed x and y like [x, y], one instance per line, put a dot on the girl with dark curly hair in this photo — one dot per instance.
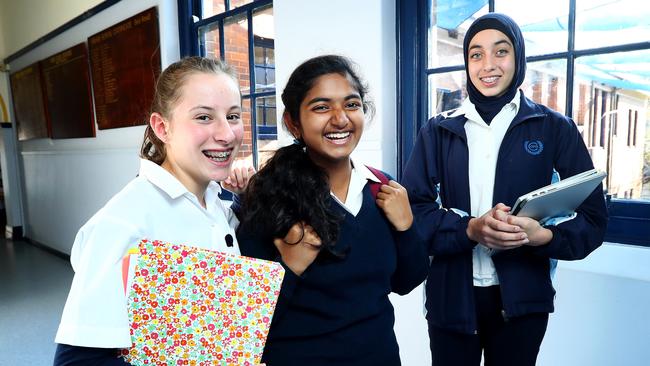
[356, 248]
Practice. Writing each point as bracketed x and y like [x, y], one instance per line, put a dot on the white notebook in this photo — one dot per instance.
[560, 198]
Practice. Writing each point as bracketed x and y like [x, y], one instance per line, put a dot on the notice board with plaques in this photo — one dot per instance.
[67, 90]
[29, 107]
[125, 63]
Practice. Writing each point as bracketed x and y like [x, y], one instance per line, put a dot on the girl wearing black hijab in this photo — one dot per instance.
[489, 289]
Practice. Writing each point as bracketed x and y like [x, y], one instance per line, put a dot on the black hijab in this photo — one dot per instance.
[488, 107]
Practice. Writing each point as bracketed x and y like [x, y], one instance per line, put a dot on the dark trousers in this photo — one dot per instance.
[503, 342]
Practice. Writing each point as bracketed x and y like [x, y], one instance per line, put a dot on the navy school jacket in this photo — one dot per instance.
[538, 141]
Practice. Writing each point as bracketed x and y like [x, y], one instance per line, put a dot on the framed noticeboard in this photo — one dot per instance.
[27, 92]
[67, 93]
[125, 63]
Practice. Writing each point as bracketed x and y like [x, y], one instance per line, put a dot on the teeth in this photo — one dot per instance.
[490, 79]
[217, 155]
[337, 135]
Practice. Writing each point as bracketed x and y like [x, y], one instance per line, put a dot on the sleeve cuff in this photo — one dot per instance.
[461, 234]
[552, 246]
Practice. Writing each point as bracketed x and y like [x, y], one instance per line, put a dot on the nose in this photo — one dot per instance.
[340, 118]
[488, 63]
[223, 131]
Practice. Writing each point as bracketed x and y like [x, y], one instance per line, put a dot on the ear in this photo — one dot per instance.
[159, 126]
[291, 125]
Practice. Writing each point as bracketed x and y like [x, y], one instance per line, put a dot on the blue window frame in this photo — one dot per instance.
[598, 106]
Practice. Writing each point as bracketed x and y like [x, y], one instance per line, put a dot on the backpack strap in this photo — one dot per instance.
[374, 186]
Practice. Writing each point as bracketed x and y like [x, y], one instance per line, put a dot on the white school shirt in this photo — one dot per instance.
[483, 143]
[156, 206]
[354, 199]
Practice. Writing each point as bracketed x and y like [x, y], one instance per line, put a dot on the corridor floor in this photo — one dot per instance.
[34, 285]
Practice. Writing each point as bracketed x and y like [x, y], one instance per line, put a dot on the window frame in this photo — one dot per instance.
[629, 220]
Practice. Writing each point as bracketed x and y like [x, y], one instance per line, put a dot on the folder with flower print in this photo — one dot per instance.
[193, 306]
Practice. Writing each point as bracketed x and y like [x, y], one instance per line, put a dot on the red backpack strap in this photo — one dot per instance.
[374, 186]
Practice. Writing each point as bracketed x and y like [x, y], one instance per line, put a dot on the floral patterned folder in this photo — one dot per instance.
[192, 306]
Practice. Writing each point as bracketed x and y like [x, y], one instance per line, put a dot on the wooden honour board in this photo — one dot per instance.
[27, 95]
[67, 90]
[125, 63]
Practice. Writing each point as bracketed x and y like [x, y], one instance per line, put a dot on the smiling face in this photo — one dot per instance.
[203, 133]
[491, 62]
[331, 120]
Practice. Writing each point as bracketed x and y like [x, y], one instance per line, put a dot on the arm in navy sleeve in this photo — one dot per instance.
[85, 356]
[236, 205]
[576, 238]
[444, 231]
[412, 261]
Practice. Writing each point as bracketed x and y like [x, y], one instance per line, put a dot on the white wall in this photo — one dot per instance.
[363, 30]
[66, 181]
[41, 17]
[602, 310]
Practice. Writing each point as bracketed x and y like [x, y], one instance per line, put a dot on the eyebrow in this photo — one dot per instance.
[235, 107]
[495, 43]
[322, 99]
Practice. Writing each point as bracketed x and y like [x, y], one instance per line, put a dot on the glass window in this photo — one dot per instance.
[545, 83]
[209, 40]
[235, 35]
[446, 91]
[264, 46]
[447, 26]
[246, 149]
[611, 104]
[601, 23]
[212, 7]
[238, 3]
[544, 24]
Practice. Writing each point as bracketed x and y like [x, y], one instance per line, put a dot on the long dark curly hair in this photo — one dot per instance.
[290, 187]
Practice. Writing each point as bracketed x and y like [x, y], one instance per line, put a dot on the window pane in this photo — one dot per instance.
[238, 3]
[259, 55]
[246, 149]
[543, 23]
[446, 91]
[264, 44]
[601, 23]
[209, 38]
[266, 111]
[611, 105]
[545, 83]
[212, 7]
[448, 23]
[236, 46]
[267, 133]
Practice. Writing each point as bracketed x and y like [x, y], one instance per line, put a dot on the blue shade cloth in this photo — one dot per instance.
[607, 17]
[450, 14]
[488, 107]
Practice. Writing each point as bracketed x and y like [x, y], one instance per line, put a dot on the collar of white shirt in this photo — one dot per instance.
[169, 184]
[360, 176]
[468, 109]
